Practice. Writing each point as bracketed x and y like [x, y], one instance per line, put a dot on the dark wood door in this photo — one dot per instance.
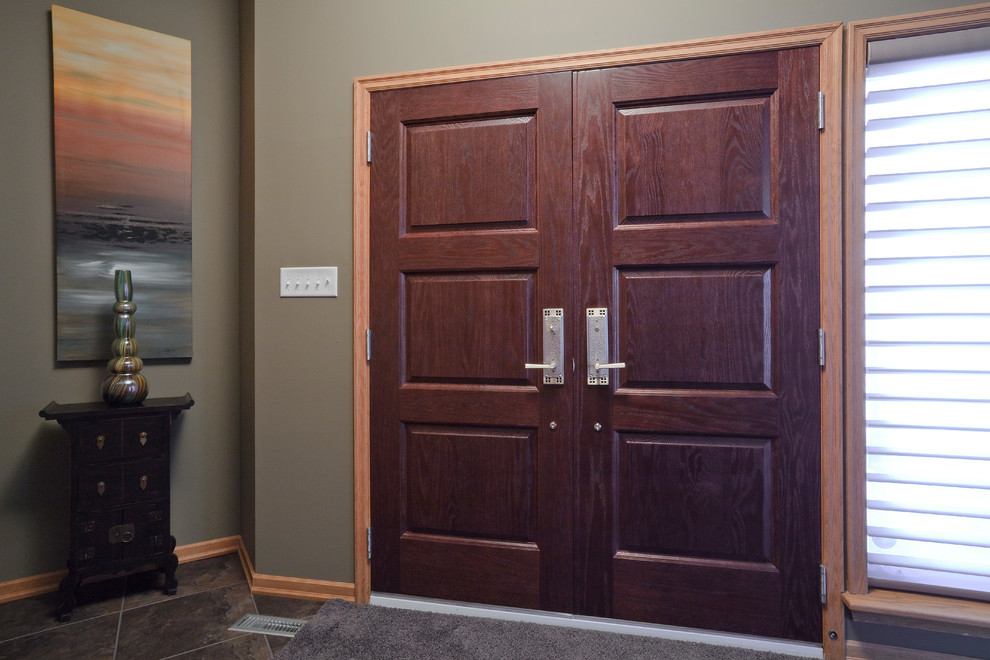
[470, 235]
[696, 183]
[687, 490]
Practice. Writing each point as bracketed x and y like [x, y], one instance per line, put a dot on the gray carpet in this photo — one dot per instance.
[345, 630]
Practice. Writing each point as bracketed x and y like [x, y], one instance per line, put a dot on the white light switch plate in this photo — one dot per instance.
[308, 282]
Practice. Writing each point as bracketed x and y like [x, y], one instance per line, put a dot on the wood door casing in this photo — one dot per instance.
[700, 495]
[470, 245]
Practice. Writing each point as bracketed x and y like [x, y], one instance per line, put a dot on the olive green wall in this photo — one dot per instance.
[34, 487]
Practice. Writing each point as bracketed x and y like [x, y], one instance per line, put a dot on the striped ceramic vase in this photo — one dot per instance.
[125, 384]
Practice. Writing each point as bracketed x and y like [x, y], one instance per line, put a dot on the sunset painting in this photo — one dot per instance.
[123, 187]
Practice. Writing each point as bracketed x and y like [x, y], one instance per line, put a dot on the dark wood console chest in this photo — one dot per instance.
[120, 490]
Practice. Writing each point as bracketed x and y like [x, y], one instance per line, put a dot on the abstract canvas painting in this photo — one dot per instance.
[123, 184]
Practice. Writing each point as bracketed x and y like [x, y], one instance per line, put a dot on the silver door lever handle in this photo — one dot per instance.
[610, 365]
[529, 365]
[553, 346]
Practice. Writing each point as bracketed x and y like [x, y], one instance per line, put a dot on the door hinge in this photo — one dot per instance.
[369, 147]
[367, 345]
[369, 543]
[821, 113]
[821, 347]
[823, 584]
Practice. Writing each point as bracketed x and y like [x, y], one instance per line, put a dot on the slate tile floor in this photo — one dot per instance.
[130, 618]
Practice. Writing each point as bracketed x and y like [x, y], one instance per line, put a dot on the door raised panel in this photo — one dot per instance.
[695, 161]
[688, 496]
[704, 328]
[471, 483]
[453, 321]
[472, 172]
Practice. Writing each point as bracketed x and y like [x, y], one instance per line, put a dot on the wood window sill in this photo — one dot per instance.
[939, 613]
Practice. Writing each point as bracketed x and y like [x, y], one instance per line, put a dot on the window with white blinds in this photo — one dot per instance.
[927, 324]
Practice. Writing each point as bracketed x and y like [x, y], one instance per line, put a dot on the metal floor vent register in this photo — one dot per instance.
[268, 625]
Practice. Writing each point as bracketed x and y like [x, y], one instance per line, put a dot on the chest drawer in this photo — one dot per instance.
[98, 441]
[111, 484]
[142, 481]
[104, 440]
[98, 486]
[142, 437]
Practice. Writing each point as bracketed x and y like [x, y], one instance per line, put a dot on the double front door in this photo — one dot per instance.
[659, 221]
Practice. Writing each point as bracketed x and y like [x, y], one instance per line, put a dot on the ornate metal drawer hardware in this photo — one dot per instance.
[101, 487]
[143, 482]
[121, 533]
[100, 439]
[87, 526]
[143, 438]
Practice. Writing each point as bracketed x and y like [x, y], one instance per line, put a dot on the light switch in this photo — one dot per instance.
[308, 282]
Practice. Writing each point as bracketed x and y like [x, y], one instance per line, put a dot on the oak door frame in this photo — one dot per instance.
[828, 39]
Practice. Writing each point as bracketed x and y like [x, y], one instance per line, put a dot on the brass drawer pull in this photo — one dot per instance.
[144, 482]
[101, 488]
[143, 438]
[99, 441]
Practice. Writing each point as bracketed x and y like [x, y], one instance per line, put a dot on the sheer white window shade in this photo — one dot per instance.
[927, 306]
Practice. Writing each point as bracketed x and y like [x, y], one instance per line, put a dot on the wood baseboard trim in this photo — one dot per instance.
[286, 587]
[207, 549]
[866, 651]
[266, 585]
[30, 586]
